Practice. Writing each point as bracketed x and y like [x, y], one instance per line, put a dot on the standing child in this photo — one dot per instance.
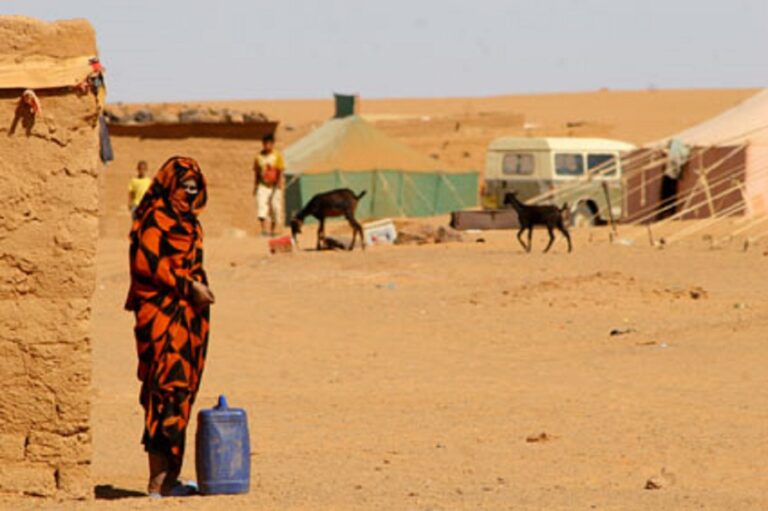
[138, 187]
[269, 184]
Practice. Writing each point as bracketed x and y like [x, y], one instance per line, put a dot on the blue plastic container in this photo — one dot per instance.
[223, 450]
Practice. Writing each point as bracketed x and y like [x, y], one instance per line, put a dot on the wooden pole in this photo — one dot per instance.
[676, 203]
[685, 211]
[705, 183]
[757, 238]
[585, 181]
[650, 235]
[691, 208]
[610, 208]
[687, 231]
[742, 229]
[691, 195]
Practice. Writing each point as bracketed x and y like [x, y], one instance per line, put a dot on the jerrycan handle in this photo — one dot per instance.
[222, 404]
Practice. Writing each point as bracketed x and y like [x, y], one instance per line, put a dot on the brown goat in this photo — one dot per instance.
[341, 202]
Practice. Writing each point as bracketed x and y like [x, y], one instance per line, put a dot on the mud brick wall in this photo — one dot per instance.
[48, 231]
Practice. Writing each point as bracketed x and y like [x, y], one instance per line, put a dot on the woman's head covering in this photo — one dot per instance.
[166, 190]
[167, 208]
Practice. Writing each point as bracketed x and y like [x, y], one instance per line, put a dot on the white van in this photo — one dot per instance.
[572, 170]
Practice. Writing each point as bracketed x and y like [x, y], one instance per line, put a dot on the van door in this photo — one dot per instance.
[517, 170]
[606, 168]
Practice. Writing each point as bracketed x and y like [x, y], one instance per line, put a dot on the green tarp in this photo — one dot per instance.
[348, 152]
[390, 193]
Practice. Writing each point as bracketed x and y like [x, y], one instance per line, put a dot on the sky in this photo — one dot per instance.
[179, 50]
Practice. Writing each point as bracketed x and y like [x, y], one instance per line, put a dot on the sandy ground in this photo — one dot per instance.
[410, 377]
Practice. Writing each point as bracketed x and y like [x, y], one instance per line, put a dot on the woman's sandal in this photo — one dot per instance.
[180, 489]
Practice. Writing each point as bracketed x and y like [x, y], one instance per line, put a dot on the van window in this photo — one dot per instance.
[517, 163]
[569, 164]
[602, 164]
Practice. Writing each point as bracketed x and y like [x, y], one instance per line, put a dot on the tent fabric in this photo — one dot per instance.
[44, 72]
[352, 144]
[390, 193]
[399, 181]
[746, 123]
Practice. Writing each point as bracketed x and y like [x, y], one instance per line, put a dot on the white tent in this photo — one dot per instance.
[746, 123]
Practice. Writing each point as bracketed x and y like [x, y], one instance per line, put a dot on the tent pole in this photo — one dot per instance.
[610, 208]
[685, 211]
[690, 196]
[673, 204]
[742, 229]
[683, 233]
[690, 208]
[749, 216]
[705, 183]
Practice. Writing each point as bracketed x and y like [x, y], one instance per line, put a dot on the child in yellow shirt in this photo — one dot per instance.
[138, 187]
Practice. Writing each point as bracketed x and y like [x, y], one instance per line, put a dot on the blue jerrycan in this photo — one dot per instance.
[223, 450]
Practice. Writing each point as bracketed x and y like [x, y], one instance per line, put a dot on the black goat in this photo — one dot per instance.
[341, 202]
[528, 216]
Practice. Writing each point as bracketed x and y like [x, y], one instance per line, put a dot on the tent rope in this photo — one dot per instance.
[653, 210]
[430, 205]
[388, 192]
[453, 190]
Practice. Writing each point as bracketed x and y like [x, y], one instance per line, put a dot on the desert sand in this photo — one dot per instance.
[465, 376]
[457, 376]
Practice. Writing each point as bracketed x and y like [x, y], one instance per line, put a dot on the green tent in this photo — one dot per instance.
[350, 153]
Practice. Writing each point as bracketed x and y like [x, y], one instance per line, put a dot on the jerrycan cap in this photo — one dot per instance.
[221, 410]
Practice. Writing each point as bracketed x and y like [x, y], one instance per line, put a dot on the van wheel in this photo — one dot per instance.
[583, 216]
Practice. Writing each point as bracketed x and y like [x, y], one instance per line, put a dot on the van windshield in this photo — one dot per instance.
[569, 164]
[601, 164]
[517, 164]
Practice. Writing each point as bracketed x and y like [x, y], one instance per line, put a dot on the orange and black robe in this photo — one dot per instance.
[166, 255]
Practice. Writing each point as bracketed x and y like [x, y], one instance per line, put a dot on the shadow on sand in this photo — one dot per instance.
[109, 492]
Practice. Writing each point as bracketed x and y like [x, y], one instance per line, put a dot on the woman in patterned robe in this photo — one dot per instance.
[170, 298]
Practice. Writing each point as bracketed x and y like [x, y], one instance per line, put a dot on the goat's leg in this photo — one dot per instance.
[320, 234]
[362, 236]
[354, 239]
[520, 238]
[551, 238]
[352, 223]
[567, 235]
[530, 238]
[356, 229]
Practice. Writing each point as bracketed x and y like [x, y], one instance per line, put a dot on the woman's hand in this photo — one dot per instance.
[202, 295]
